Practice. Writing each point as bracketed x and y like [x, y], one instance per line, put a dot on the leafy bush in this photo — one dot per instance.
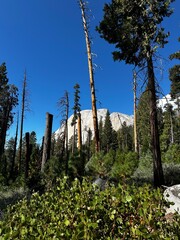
[82, 211]
[113, 164]
[125, 164]
[171, 173]
[144, 172]
[172, 155]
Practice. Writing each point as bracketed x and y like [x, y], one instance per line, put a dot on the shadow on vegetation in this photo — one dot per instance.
[8, 197]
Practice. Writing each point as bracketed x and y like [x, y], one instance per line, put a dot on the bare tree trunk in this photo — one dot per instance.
[172, 127]
[22, 122]
[79, 132]
[14, 150]
[27, 156]
[135, 114]
[47, 140]
[91, 76]
[155, 144]
[66, 133]
[74, 138]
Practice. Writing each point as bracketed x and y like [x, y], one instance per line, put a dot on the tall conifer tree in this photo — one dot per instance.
[134, 27]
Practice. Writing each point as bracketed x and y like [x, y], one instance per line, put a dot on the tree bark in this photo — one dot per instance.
[91, 76]
[155, 144]
[27, 156]
[47, 140]
[79, 132]
[135, 115]
[14, 150]
[22, 122]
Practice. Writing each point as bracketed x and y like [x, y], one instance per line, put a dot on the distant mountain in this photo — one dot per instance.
[117, 120]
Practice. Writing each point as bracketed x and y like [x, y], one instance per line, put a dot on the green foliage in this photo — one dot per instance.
[113, 164]
[134, 27]
[125, 164]
[144, 172]
[174, 75]
[172, 155]
[171, 173]
[143, 122]
[83, 211]
[125, 138]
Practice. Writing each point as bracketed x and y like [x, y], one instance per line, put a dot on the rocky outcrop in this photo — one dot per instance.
[117, 120]
[172, 195]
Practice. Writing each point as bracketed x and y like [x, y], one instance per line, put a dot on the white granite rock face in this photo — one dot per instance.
[117, 120]
[167, 100]
[172, 195]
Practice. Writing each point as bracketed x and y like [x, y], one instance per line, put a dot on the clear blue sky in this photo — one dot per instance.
[46, 38]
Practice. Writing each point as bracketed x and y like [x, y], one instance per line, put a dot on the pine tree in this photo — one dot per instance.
[8, 101]
[76, 116]
[63, 105]
[134, 27]
[174, 75]
[108, 134]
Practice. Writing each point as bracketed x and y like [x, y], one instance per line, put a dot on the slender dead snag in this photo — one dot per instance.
[22, 121]
[27, 156]
[135, 113]
[14, 149]
[91, 73]
[63, 105]
[47, 140]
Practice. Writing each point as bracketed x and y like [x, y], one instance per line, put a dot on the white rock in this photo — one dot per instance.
[172, 194]
[117, 120]
[166, 100]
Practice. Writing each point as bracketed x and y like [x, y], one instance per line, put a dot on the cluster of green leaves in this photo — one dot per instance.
[83, 211]
[113, 164]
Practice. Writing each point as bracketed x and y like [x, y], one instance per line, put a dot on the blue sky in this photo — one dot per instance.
[46, 38]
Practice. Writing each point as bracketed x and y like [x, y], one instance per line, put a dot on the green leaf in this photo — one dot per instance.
[67, 222]
[128, 198]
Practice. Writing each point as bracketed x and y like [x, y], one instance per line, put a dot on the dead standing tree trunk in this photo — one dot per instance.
[14, 150]
[91, 74]
[47, 140]
[22, 122]
[135, 113]
[27, 156]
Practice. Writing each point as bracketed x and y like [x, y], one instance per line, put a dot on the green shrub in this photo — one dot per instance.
[172, 155]
[82, 211]
[125, 164]
[144, 172]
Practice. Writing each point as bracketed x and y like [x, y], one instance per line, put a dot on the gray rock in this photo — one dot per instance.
[172, 195]
[117, 120]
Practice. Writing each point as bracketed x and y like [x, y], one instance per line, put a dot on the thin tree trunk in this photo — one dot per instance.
[14, 150]
[47, 140]
[155, 144]
[66, 134]
[27, 156]
[22, 122]
[91, 76]
[79, 132]
[172, 127]
[135, 115]
[74, 138]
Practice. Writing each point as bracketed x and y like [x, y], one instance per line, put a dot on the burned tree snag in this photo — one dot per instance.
[47, 140]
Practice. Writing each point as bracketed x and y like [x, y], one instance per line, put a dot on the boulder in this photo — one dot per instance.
[172, 195]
